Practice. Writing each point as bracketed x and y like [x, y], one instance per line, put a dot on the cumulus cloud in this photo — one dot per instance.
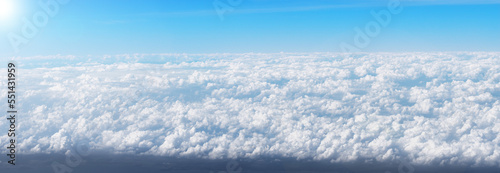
[429, 108]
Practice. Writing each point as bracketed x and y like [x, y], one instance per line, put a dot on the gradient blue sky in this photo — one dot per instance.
[97, 27]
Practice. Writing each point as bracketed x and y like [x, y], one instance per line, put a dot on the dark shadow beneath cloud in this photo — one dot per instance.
[43, 163]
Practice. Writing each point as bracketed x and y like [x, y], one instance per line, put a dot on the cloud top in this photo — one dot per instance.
[429, 108]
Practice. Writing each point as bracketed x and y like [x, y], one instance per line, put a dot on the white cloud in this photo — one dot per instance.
[430, 108]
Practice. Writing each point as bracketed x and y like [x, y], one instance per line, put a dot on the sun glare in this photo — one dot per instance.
[6, 9]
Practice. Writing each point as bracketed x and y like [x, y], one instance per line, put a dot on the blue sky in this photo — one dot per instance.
[96, 27]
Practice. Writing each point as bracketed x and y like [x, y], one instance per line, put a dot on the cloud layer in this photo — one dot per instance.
[429, 108]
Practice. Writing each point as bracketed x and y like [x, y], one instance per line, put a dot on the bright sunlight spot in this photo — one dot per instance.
[6, 9]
